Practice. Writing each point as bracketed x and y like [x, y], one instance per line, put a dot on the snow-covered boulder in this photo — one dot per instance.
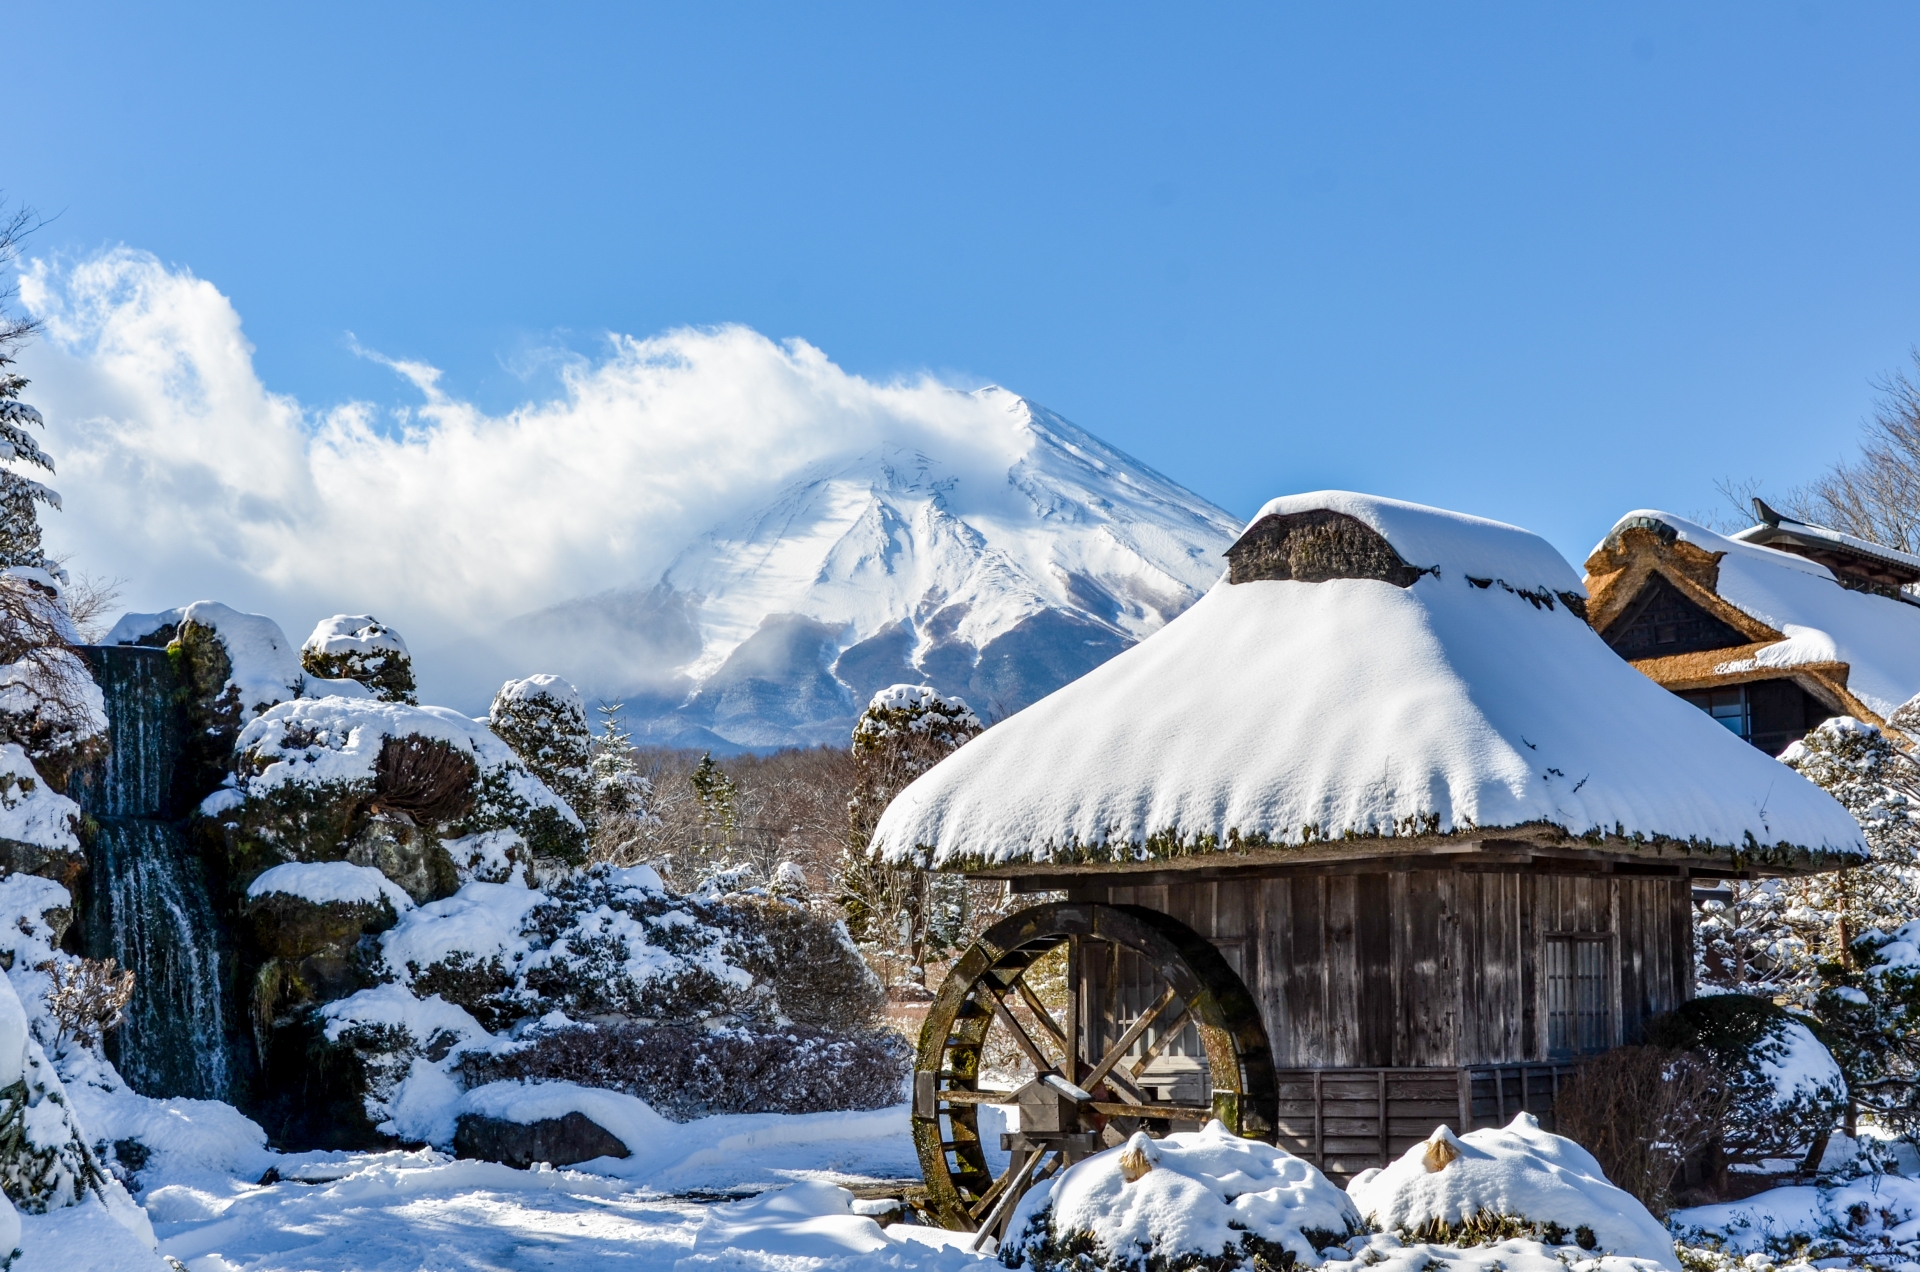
[1515, 1181]
[237, 664]
[543, 719]
[360, 648]
[307, 918]
[387, 785]
[1202, 1199]
[39, 827]
[559, 1123]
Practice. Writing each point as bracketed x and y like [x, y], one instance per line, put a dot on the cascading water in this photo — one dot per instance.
[147, 903]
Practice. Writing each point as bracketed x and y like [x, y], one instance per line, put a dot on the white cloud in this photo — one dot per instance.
[188, 477]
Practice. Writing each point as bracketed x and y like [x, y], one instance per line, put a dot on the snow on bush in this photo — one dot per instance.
[1787, 1090]
[49, 703]
[689, 1072]
[543, 719]
[916, 709]
[315, 778]
[608, 979]
[44, 1160]
[1206, 1199]
[360, 648]
[1516, 1181]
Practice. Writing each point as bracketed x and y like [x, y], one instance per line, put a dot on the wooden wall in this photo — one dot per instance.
[1428, 967]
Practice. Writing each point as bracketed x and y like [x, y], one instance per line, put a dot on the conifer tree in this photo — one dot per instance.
[902, 916]
[19, 518]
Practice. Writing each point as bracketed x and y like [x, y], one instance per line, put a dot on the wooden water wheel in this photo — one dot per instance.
[1138, 985]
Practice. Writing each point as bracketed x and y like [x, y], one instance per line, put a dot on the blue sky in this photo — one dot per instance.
[1543, 262]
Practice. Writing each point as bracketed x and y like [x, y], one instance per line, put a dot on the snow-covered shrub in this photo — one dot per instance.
[49, 703]
[384, 784]
[1786, 1091]
[817, 976]
[39, 827]
[88, 998]
[693, 1004]
[687, 1072]
[544, 721]
[44, 1159]
[361, 648]
[1200, 1200]
[1644, 1113]
[1494, 1185]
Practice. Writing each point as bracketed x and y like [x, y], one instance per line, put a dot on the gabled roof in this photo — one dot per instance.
[1452, 693]
[1854, 561]
[1859, 649]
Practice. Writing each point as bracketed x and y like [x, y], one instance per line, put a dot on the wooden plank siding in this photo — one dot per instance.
[1400, 969]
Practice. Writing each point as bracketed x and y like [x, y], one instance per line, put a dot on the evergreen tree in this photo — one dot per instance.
[619, 811]
[902, 916]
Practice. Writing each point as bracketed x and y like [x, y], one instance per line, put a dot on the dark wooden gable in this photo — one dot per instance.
[1661, 620]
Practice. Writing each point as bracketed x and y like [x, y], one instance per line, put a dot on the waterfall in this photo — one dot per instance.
[146, 901]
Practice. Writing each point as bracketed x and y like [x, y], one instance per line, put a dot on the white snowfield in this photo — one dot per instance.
[1288, 713]
[1822, 621]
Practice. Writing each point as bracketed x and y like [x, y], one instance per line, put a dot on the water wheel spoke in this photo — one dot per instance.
[1147, 1108]
[1040, 1012]
[1118, 1051]
[1169, 1030]
[1040, 1061]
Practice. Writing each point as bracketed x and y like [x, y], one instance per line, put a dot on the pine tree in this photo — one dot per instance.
[619, 812]
[19, 518]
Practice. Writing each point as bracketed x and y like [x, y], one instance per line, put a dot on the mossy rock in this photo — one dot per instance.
[286, 926]
[63, 866]
[410, 856]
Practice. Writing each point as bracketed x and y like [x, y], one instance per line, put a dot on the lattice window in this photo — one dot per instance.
[1579, 996]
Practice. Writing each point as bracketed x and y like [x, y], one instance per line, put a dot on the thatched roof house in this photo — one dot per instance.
[1770, 630]
[1371, 677]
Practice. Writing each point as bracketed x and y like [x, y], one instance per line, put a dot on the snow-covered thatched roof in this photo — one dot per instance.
[1455, 693]
[1862, 650]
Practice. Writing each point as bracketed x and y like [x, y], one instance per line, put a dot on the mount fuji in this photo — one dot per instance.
[887, 566]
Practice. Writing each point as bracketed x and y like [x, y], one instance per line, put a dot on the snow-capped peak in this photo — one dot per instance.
[894, 564]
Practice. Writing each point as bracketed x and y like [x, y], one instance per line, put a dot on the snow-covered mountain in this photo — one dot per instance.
[891, 566]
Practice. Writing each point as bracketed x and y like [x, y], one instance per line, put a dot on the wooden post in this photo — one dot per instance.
[1073, 1009]
[1319, 1124]
[1383, 1117]
[1465, 1078]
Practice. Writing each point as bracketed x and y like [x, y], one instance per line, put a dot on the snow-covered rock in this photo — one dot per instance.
[1205, 1195]
[329, 883]
[261, 666]
[1518, 1172]
[1278, 713]
[383, 784]
[543, 719]
[39, 827]
[362, 649]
